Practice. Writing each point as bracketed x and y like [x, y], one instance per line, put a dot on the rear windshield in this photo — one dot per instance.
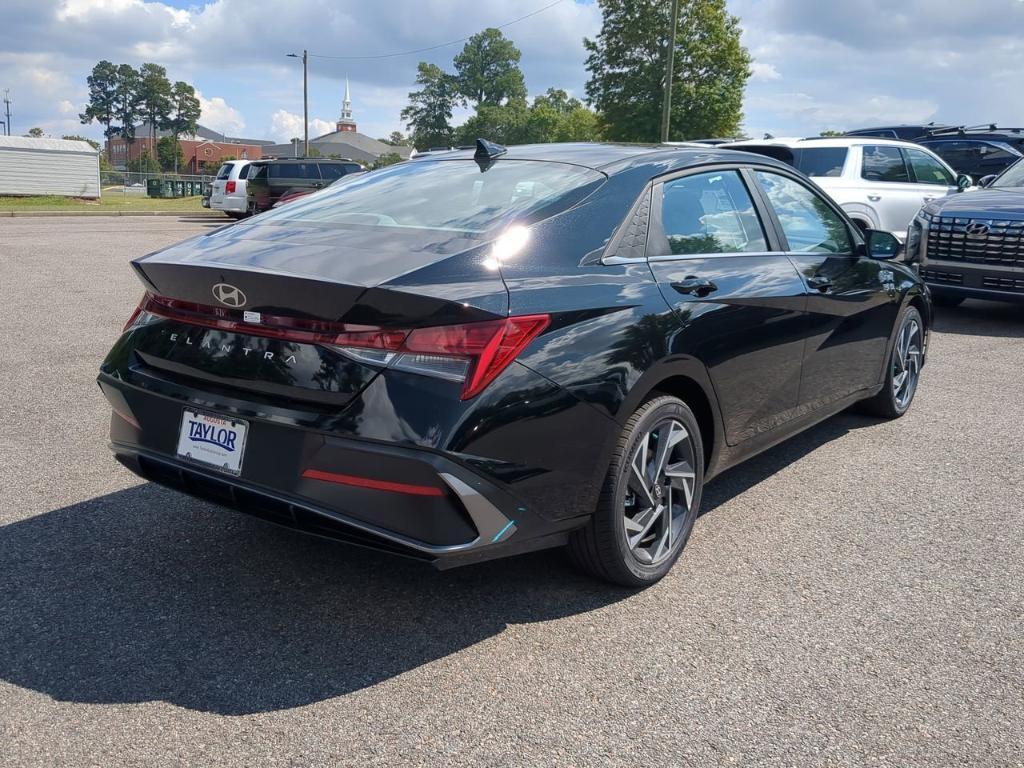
[446, 195]
[225, 171]
[820, 161]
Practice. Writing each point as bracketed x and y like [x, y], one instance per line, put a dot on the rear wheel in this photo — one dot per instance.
[903, 370]
[650, 497]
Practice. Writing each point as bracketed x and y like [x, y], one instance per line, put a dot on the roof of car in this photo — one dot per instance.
[831, 141]
[604, 156]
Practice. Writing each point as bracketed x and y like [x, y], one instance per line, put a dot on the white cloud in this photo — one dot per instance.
[762, 70]
[285, 126]
[216, 114]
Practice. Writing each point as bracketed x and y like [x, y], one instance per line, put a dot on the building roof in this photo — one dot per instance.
[202, 132]
[361, 142]
[50, 145]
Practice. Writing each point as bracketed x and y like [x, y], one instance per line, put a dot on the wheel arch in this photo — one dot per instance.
[689, 381]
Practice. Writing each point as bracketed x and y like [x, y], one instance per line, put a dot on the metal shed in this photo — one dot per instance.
[48, 167]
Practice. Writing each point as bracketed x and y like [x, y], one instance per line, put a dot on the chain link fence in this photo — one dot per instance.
[155, 184]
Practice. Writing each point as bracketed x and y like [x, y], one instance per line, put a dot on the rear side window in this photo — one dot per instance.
[335, 170]
[820, 161]
[928, 170]
[809, 223]
[708, 213]
[884, 163]
[257, 172]
[224, 171]
[294, 171]
[243, 170]
[446, 195]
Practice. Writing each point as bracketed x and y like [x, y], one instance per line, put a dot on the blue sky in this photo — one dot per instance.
[817, 65]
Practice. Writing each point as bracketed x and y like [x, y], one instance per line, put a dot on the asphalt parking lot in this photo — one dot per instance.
[853, 597]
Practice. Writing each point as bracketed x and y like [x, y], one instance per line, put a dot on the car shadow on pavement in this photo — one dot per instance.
[146, 594]
[981, 318]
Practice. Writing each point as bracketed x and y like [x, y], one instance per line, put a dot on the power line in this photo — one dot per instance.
[435, 47]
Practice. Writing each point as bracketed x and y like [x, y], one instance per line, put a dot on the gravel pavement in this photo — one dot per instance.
[852, 597]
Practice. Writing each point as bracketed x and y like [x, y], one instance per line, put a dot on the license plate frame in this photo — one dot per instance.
[211, 444]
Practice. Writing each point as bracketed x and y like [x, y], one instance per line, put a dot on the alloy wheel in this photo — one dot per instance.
[659, 495]
[906, 363]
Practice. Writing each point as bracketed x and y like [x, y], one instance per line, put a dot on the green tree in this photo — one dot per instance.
[429, 111]
[830, 133]
[169, 153]
[382, 161]
[501, 124]
[144, 163]
[126, 102]
[627, 60]
[183, 117]
[91, 142]
[154, 97]
[396, 139]
[35, 133]
[487, 71]
[102, 104]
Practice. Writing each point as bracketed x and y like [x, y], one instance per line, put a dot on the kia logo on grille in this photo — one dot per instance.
[228, 294]
[977, 229]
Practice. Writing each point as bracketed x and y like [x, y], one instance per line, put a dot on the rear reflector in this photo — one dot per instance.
[377, 485]
[471, 353]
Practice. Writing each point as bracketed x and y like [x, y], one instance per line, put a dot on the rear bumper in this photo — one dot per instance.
[232, 203]
[468, 517]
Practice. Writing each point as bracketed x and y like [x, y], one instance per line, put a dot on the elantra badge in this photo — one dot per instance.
[228, 295]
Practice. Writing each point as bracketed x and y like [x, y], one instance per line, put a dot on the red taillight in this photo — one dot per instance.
[488, 346]
[229, 187]
[471, 353]
[369, 482]
[133, 317]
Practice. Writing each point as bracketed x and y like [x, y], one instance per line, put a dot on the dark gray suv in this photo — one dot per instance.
[270, 179]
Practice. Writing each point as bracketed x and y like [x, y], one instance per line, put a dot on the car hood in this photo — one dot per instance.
[983, 204]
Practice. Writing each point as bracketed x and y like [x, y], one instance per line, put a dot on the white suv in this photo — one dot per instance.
[228, 193]
[880, 183]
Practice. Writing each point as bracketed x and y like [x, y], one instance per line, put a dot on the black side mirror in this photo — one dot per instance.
[882, 245]
[987, 180]
[963, 181]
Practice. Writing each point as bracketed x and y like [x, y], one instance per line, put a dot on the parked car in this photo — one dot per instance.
[228, 190]
[495, 351]
[269, 179]
[880, 183]
[975, 150]
[973, 245]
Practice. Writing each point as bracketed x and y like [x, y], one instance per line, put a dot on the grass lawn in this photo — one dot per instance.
[110, 201]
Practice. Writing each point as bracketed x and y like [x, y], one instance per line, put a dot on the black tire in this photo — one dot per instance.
[887, 403]
[602, 548]
[945, 300]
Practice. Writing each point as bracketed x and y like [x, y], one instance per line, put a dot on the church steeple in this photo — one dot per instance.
[345, 122]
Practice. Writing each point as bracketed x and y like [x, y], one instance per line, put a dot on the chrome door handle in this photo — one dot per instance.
[874, 198]
[820, 283]
[697, 286]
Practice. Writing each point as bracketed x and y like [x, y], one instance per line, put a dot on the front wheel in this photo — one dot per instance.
[903, 370]
[650, 498]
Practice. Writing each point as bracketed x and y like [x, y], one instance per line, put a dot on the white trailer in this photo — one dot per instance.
[48, 167]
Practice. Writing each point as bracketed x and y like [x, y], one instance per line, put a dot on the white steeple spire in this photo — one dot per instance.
[346, 105]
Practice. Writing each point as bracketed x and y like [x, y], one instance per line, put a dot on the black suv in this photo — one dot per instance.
[972, 245]
[978, 151]
[269, 179]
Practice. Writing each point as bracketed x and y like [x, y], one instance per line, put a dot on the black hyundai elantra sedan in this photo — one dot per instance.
[481, 353]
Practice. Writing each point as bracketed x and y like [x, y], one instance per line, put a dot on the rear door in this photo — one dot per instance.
[217, 190]
[889, 187]
[740, 301]
[851, 299]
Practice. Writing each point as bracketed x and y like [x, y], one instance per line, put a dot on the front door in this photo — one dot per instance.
[739, 301]
[851, 303]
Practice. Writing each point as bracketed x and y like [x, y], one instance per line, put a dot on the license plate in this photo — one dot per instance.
[215, 441]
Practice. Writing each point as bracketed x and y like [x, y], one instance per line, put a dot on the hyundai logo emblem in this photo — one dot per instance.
[228, 295]
[977, 229]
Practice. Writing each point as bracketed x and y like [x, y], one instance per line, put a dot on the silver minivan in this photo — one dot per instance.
[228, 193]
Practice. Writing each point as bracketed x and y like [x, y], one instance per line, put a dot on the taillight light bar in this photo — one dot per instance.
[229, 187]
[471, 353]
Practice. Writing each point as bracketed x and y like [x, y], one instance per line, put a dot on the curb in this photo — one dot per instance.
[43, 214]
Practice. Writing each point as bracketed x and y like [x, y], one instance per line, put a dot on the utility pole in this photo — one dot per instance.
[7, 109]
[666, 104]
[305, 96]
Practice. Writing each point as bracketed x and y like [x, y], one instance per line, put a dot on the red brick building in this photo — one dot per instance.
[206, 146]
